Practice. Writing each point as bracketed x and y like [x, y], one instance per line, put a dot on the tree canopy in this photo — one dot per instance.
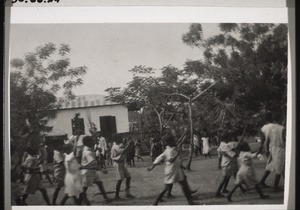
[34, 82]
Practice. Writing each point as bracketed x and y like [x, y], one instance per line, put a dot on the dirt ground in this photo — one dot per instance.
[205, 177]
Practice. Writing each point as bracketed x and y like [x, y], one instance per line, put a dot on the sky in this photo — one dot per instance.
[110, 50]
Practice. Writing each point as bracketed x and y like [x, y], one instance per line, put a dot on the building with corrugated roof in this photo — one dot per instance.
[107, 116]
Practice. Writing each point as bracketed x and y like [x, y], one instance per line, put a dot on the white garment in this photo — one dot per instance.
[276, 161]
[73, 184]
[173, 170]
[102, 144]
[246, 173]
[118, 153]
[196, 141]
[205, 143]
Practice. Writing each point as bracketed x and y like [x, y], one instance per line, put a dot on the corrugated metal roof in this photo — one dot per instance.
[81, 101]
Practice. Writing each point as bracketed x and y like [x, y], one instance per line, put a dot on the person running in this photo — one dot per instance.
[44, 163]
[89, 171]
[33, 176]
[246, 174]
[73, 182]
[173, 170]
[118, 155]
[59, 170]
[273, 134]
[227, 162]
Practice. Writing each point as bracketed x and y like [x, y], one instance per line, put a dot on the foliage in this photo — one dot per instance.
[249, 61]
[34, 82]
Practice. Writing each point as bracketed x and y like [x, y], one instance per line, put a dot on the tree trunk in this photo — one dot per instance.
[191, 147]
[160, 121]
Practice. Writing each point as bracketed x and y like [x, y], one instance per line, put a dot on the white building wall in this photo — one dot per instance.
[62, 123]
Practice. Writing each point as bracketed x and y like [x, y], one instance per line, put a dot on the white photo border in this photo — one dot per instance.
[162, 14]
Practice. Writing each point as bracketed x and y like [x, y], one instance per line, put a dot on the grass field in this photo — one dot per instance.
[205, 177]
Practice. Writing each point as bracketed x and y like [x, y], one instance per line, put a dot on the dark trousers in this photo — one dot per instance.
[168, 187]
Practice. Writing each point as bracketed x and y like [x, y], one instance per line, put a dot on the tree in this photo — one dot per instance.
[34, 82]
[249, 61]
[142, 92]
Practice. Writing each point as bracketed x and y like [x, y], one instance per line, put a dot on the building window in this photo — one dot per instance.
[78, 124]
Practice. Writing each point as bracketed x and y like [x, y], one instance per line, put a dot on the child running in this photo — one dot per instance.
[59, 170]
[118, 155]
[73, 184]
[246, 174]
[33, 176]
[173, 170]
[89, 171]
[43, 161]
[227, 162]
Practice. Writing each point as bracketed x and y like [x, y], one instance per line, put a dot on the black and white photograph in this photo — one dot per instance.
[143, 114]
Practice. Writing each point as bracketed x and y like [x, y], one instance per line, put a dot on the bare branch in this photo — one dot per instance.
[178, 94]
[170, 119]
[201, 93]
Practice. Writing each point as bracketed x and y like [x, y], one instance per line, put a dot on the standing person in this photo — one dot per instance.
[130, 155]
[274, 135]
[246, 174]
[196, 143]
[103, 145]
[138, 149]
[108, 154]
[118, 155]
[173, 170]
[73, 182]
[33, 176]
[157, 148]
[79, 145]
[59, 170]
[205, 144]
[89, 171]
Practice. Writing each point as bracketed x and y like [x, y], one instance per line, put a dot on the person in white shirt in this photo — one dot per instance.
[173, 170]
[89, 171]
[73, 182]
[246, 175]
[118, 155]
[274, 135]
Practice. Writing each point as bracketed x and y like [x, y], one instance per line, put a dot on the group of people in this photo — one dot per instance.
[77, 165]
[235, 159]
[202, 147]
[74, 169]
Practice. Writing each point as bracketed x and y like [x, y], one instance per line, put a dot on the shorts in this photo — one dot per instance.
[59, 176]
[89, 177]
[121, 171]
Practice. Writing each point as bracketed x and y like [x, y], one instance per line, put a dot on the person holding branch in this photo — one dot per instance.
[173, 170]
[118, 155]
